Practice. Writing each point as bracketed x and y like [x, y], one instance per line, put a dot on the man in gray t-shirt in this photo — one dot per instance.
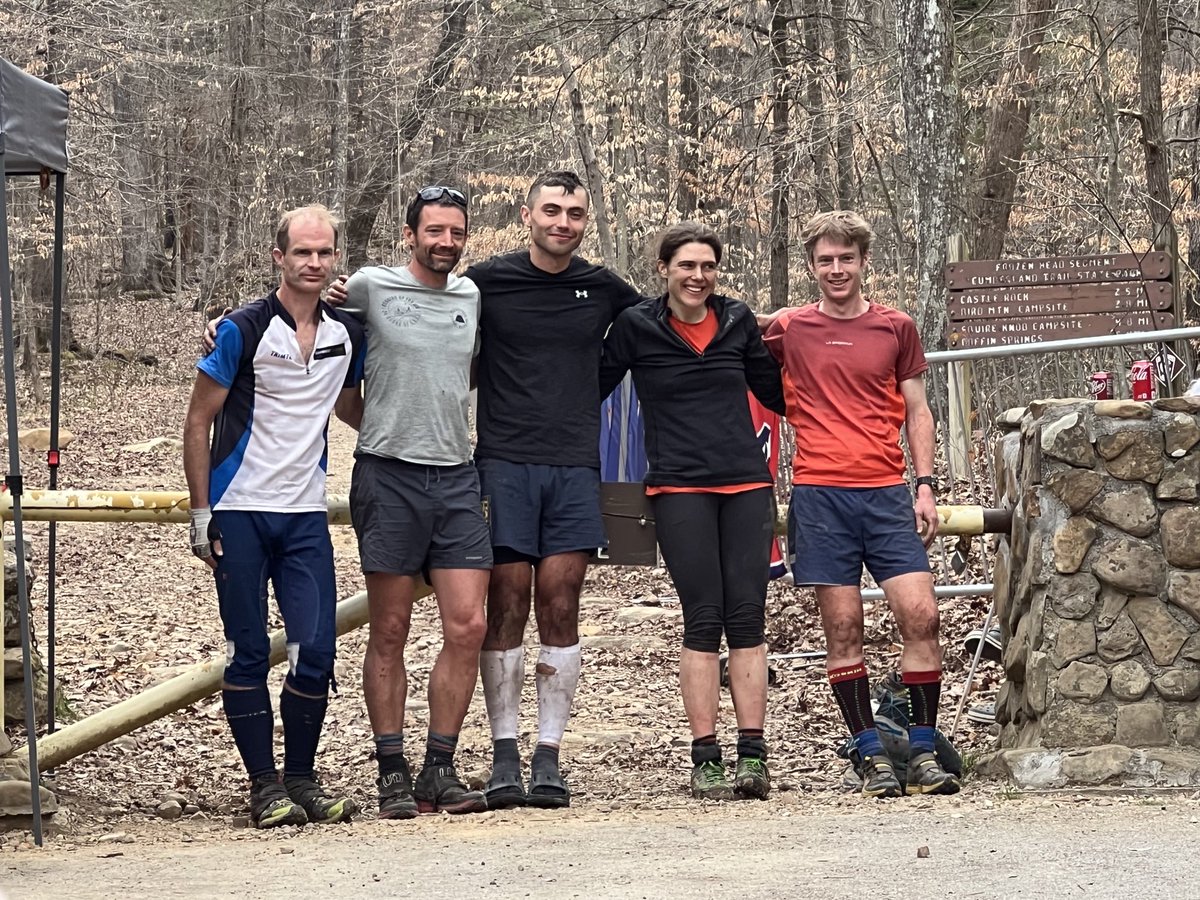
[414, 496]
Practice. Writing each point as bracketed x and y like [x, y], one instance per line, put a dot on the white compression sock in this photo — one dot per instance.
[557, 677]
[503, 675]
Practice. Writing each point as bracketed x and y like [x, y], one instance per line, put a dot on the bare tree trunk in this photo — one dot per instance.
[780, 155]
[1154, 147]
[587, 152]
[343, 11]
[380, 174]
[687, 197]
[930, 99]
[844, 132]
[818, 126]
[1008, 124]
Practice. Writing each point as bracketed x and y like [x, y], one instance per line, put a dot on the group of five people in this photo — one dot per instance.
[511, 523]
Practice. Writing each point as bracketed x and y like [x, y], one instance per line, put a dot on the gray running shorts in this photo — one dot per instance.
[411, 518]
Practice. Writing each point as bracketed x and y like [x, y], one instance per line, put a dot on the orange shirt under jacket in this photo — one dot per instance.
[841, 382]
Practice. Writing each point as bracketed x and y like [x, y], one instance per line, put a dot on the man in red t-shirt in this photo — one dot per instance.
[853, 376]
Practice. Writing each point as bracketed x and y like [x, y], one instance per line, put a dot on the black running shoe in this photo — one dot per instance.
[926, 776]
[395, 789]
[879, 778]
[270, 805]
[317, 805]
[439, 789]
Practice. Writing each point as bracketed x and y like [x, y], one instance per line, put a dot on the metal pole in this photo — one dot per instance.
[1104, 340]
[962, 701]
[60, 191]
[13, 483]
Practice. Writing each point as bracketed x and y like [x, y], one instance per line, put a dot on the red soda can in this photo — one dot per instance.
[1100, 385]
[1141, 380]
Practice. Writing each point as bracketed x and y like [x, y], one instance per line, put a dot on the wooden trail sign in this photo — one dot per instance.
[998, 332]
[1059, 300]
[995, 273]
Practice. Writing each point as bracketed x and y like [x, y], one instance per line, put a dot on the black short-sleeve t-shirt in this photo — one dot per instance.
[539, 358]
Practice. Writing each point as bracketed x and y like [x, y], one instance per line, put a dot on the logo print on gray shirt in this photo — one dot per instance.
[401, 311]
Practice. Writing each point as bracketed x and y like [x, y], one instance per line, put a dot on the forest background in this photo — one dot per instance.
[1031, 127]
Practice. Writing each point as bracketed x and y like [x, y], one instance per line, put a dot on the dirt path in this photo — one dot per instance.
[1024, 847]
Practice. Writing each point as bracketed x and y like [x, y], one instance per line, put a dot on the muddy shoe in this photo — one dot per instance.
[750, 778]
[926, 776]
[439, 789]
[270, 805]
[395, 789]
[317, 805]
[879, 777]
[709, 781]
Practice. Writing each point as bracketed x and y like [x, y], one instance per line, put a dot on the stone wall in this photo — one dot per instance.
[14, 670]
[1097, 592]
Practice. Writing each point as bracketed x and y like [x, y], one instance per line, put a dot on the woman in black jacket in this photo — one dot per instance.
[693, 354]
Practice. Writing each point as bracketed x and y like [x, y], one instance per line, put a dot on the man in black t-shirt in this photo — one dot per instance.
[544, 313]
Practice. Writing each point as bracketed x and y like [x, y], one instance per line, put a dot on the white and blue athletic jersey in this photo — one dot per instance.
[270, 445]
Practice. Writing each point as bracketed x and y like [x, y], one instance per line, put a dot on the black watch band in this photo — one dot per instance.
[925, 479]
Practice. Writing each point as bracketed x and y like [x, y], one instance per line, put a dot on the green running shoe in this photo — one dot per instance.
[750, 778]
[317, 805]
[926, 776]
[709, 781]
[270, 805]
[879, 777]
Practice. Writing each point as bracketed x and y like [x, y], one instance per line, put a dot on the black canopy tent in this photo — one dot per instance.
[33, 142]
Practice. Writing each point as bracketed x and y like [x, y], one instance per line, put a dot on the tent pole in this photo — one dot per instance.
[13, 482]
[60, 190]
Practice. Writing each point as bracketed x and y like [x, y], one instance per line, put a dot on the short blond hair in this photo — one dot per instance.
[312, 211]
[840, 225]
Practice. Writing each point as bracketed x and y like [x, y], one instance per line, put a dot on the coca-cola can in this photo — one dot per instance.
[1100, 385]
[1141, 380]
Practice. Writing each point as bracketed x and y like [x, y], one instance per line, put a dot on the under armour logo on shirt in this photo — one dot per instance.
[582, 294]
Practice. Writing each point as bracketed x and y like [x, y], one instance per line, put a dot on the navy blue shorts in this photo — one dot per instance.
[293, 552]
[538, 511]
[410, 518]
[835, 531]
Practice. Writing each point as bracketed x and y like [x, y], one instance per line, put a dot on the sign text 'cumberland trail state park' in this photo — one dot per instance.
[1024, 301]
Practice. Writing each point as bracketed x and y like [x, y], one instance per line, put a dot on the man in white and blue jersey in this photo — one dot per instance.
[255, 456]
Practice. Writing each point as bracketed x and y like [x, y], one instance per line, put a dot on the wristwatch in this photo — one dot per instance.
[925, 479]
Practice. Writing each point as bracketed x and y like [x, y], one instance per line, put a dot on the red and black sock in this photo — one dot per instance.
[924, 690]
[852, 691]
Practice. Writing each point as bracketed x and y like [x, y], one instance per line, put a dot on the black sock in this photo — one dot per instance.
[439, 749]
[250, 720]
[302, 720]
[751, 744]
[924, 690]
[505, 755]
[705, 749]
[389, 751]
[545, 756]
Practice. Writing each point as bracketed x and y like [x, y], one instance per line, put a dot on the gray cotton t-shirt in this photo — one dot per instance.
[420, 343]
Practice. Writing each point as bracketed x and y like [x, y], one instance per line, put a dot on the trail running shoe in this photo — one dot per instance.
[926, 776]
[395, 789]
[709, 781]
[317, 805]
[270, 805]
[439, 789]
[879, 777]
[750, 778]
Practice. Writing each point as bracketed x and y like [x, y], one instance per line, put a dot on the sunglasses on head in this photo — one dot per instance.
[437, 192]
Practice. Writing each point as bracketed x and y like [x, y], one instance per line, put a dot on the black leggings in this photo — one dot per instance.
[717, 548]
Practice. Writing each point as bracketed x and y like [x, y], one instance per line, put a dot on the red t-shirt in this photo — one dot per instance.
[841, 382]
